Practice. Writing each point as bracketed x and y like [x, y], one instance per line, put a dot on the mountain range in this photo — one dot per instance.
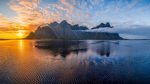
[64, 30]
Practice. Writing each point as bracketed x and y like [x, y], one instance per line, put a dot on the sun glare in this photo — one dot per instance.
[20, 34]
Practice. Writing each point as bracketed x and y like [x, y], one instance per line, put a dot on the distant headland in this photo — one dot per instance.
[64, 30]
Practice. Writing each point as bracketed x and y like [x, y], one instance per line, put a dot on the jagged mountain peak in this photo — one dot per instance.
[103, 25]
[54, 23]
[64, 22]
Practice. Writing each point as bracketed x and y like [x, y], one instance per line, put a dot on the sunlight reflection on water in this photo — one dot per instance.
[74, 61]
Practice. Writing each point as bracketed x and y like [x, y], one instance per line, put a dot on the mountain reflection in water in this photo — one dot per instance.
[74, 62]
[64, 48]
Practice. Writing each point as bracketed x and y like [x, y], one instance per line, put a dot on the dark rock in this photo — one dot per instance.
[102, 25]
[77, 27]
[66, 31]
[31, 36]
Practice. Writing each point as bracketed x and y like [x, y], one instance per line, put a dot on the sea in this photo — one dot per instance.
[75, 62]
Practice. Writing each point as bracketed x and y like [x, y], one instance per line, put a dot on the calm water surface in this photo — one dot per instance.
[74, 62]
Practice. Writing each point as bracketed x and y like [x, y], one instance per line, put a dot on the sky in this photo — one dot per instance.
[19, 17]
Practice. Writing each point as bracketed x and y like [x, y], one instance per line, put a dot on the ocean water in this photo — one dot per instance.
[75, 62]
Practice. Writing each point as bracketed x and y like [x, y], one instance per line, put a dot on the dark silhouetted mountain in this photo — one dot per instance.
[53, 24]
[108, 25]
[55, 30]
[77, 27]
[102, 25]
[64, 30]
[64, 23]
[31, 36]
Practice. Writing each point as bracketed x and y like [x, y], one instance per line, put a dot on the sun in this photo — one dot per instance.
[20, 34]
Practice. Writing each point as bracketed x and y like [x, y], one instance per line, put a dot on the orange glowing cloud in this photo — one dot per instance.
[28, 17]
[5, 22]
[28, 12]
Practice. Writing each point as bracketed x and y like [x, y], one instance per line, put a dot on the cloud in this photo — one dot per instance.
[92, 12]
[28, 12]
[130, 32]
[31, 14]
[4, 20]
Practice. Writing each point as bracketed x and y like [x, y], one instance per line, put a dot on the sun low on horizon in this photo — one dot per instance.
[13, 34]
[21, 34]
